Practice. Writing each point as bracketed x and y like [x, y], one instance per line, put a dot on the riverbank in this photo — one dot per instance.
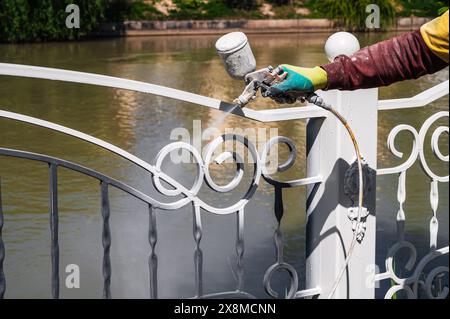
[202, 27]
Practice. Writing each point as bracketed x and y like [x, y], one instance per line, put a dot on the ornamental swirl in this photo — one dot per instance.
[203, 173]
[412, 283]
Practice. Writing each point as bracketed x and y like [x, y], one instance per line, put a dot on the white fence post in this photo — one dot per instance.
[329, 230]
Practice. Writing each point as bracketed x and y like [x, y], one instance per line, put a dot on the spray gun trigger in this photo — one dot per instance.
[261, 79]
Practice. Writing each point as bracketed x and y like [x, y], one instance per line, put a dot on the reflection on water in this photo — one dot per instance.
[142, 124]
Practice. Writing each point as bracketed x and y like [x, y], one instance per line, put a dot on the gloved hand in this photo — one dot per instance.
[298, 81]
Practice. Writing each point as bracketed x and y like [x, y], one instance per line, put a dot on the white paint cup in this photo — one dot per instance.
[236, 54]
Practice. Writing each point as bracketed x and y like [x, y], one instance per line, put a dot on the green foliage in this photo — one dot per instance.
[199, 9]
[352, 14]
[25, 20]
[422, 8]
[242, 4]
[121, 10]
[44, 20]
[281, 2]
[442, 10]
[285, 12]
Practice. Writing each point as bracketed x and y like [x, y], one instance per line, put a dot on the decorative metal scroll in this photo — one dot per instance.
[178, 196]
[418, 281]
[183, 197]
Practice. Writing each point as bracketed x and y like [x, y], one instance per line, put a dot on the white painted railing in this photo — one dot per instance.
[329, 155]
[422, 99]
[418, 279]
[310, 111]
[330, 184]
[189, 196]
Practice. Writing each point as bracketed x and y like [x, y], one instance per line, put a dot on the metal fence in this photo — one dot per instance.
[330, 205]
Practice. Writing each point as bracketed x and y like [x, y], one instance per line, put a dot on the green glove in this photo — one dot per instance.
[301, 80]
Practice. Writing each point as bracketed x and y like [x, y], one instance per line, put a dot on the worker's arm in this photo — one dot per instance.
[407, 56]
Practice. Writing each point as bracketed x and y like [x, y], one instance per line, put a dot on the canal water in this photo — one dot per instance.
[143, 124]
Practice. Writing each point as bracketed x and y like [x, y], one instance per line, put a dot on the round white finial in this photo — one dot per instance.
[341, 43]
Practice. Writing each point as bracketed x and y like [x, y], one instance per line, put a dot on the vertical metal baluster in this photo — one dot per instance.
[280, 264]
[401, 217]
[2, 249]
[198, 254]
[240, 248]
[434, 223]
[153, 258]
[106, 241]
[54, 229]
[279, 212]
[401, 197]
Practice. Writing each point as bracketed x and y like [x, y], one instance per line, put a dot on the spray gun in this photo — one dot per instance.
[239, 62]
[238, 59]
[262, 80]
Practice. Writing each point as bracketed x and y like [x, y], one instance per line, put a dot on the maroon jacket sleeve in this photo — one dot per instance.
[400, 58]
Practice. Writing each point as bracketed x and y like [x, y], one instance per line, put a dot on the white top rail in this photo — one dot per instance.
[280, 114]
[268, 115]
[419, 100]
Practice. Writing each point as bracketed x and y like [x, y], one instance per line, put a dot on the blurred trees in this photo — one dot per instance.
[42, 20]
[25, 20]
[421, 8]
[282, 2]
[352, 14]
[242, 4]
